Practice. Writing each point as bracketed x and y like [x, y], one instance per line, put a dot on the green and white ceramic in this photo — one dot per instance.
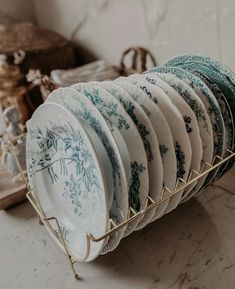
[220, 80]
[141, 121]
[67, 177]
[197, 69]
[206, 133]
[83, 109]
[178, 131]
[116, 115]
[155, 162]
[210, 104]
[220, 74]
[188, 115]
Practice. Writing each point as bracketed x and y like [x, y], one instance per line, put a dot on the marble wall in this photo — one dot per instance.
[107, 27]
[16, 11]
[166, 27]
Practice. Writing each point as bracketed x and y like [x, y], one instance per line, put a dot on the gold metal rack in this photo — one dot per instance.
[132, 216]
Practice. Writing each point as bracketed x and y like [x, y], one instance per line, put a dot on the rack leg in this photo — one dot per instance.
[71, 262]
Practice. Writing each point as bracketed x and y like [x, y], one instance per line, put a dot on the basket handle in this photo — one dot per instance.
[140, 54]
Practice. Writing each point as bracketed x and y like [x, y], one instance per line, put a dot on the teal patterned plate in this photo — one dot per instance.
[116, 116]
[66, 175]
[217, 74]
[155, 162]
[83, 109]
[161, 130]
[177, 127]
[198, 70]
[188, 115]
[206, 133]
[211, 105]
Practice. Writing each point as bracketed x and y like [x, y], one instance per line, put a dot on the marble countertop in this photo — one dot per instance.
[190, 248]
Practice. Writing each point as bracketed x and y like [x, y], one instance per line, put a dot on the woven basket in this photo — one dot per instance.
[94, 71]
[26, 46]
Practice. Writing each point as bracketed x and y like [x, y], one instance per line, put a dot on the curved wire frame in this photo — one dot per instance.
[151, 204]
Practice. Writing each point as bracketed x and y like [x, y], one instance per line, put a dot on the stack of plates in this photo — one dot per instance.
[96, 149]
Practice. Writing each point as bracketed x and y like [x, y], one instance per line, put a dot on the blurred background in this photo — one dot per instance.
[104, 28]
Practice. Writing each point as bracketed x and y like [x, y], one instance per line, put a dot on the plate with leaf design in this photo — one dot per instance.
[182, 146]
[210, 103]
[163, 135]
[199, 70]
[67, 177]
[221, 81]
[188, 115]
[147, 133]
[192, 99]
[116, 115]
[206, 132]
[83, 109]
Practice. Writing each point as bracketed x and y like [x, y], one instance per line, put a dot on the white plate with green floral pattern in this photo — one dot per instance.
[217, 78]
[162, 132]
[206, 132]
[150, 140]
[189, 117]
[67, 177]
[210, 103]
[177, 127]
[82, 108]
[198, 69]
[116, 115]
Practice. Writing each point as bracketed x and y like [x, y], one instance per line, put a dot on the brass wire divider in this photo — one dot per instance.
[132, 215]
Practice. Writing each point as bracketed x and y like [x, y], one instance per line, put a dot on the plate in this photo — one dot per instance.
[221, 73]
[152, 148]
[82, 108]
[116, 115]
[66, 175]
[220, 76]
[211, 105]
[188, 115]
[206, 132]
[178, 131]
[198, 70]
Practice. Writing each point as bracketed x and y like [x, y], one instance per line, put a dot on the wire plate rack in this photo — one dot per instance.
[132, 216]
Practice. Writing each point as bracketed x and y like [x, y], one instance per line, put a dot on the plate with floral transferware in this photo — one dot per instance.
[163, 135]
[214, 74]
[189, 117]
[83, 109]
[211, 105]
[147, 133]
[116, 115]
[68, 177]
[221, 75]
[206, 132]
[198, 69]
[177, 127]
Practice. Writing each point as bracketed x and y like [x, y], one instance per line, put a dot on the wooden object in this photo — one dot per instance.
[100, 70]
[43, 49]
[11, 193]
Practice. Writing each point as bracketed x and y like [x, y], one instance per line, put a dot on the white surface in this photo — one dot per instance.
[192, 247]
[166, 27]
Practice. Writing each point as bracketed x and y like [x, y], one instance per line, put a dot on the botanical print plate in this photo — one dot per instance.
[144, 113]
[178, 131]
[222, 74]
[82, 108]
[206, 132]
[188, 115]
[167, 149]
[218, 74]
[116, 115]
[198, 70]
[66, 176]
[210, 104]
